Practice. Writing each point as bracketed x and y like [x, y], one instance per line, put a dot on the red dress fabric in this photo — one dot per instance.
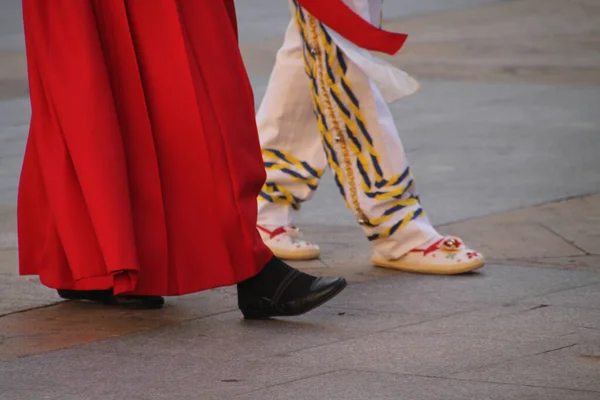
[143, 164]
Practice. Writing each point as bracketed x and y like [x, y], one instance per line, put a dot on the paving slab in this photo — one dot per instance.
[536, 44]
[494, 285]
[209, 316]
[565, 368]
[218, 354]
[519, 322]
[29, 394]
[365, 309]
[239, 340]
[403, 352]
[571, 262]
[564, 233]
[584, 297]
[69, 324]
[359, 385]
[345, 251]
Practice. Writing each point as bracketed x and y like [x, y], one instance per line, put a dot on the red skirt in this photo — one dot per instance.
[143, 164]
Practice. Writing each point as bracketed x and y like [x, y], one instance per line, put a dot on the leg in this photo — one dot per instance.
[292, 148]
[366, 154]
[292, 151]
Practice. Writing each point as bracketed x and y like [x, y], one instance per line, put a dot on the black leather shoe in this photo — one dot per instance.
[254, 306]
[106, 297]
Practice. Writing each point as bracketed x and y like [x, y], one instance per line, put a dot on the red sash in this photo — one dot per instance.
[339, 17]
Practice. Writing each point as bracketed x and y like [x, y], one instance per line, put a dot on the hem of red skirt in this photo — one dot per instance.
[124, 282]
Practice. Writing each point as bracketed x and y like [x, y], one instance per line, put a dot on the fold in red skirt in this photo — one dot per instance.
[143, 165]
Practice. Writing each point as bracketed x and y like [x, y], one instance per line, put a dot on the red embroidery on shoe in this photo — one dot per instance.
[272, 234]
[430, 249]
[446, 244]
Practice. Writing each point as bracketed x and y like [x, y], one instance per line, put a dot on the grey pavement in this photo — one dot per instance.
[481, 146]
[406, 337]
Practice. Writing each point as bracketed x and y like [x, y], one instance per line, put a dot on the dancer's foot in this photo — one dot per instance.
[107, 297]
[282, 291]
[446, 256]
[287, 244]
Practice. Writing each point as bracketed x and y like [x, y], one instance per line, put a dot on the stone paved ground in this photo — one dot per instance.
[504, 140]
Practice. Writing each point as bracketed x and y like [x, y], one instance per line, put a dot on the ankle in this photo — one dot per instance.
[431, 241]
[275, 274]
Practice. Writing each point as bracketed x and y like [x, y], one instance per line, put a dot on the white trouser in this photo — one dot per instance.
[319, 76]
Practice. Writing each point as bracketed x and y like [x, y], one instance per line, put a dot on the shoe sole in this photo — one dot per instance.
[112, 302]
[133, 306]
[123, 306]
[305, 255]
[462, 268]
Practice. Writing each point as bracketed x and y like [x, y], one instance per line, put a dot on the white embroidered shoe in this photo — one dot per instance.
[286, 243]
[447, 256]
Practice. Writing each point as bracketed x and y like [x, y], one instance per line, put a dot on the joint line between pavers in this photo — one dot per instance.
[564, 239]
